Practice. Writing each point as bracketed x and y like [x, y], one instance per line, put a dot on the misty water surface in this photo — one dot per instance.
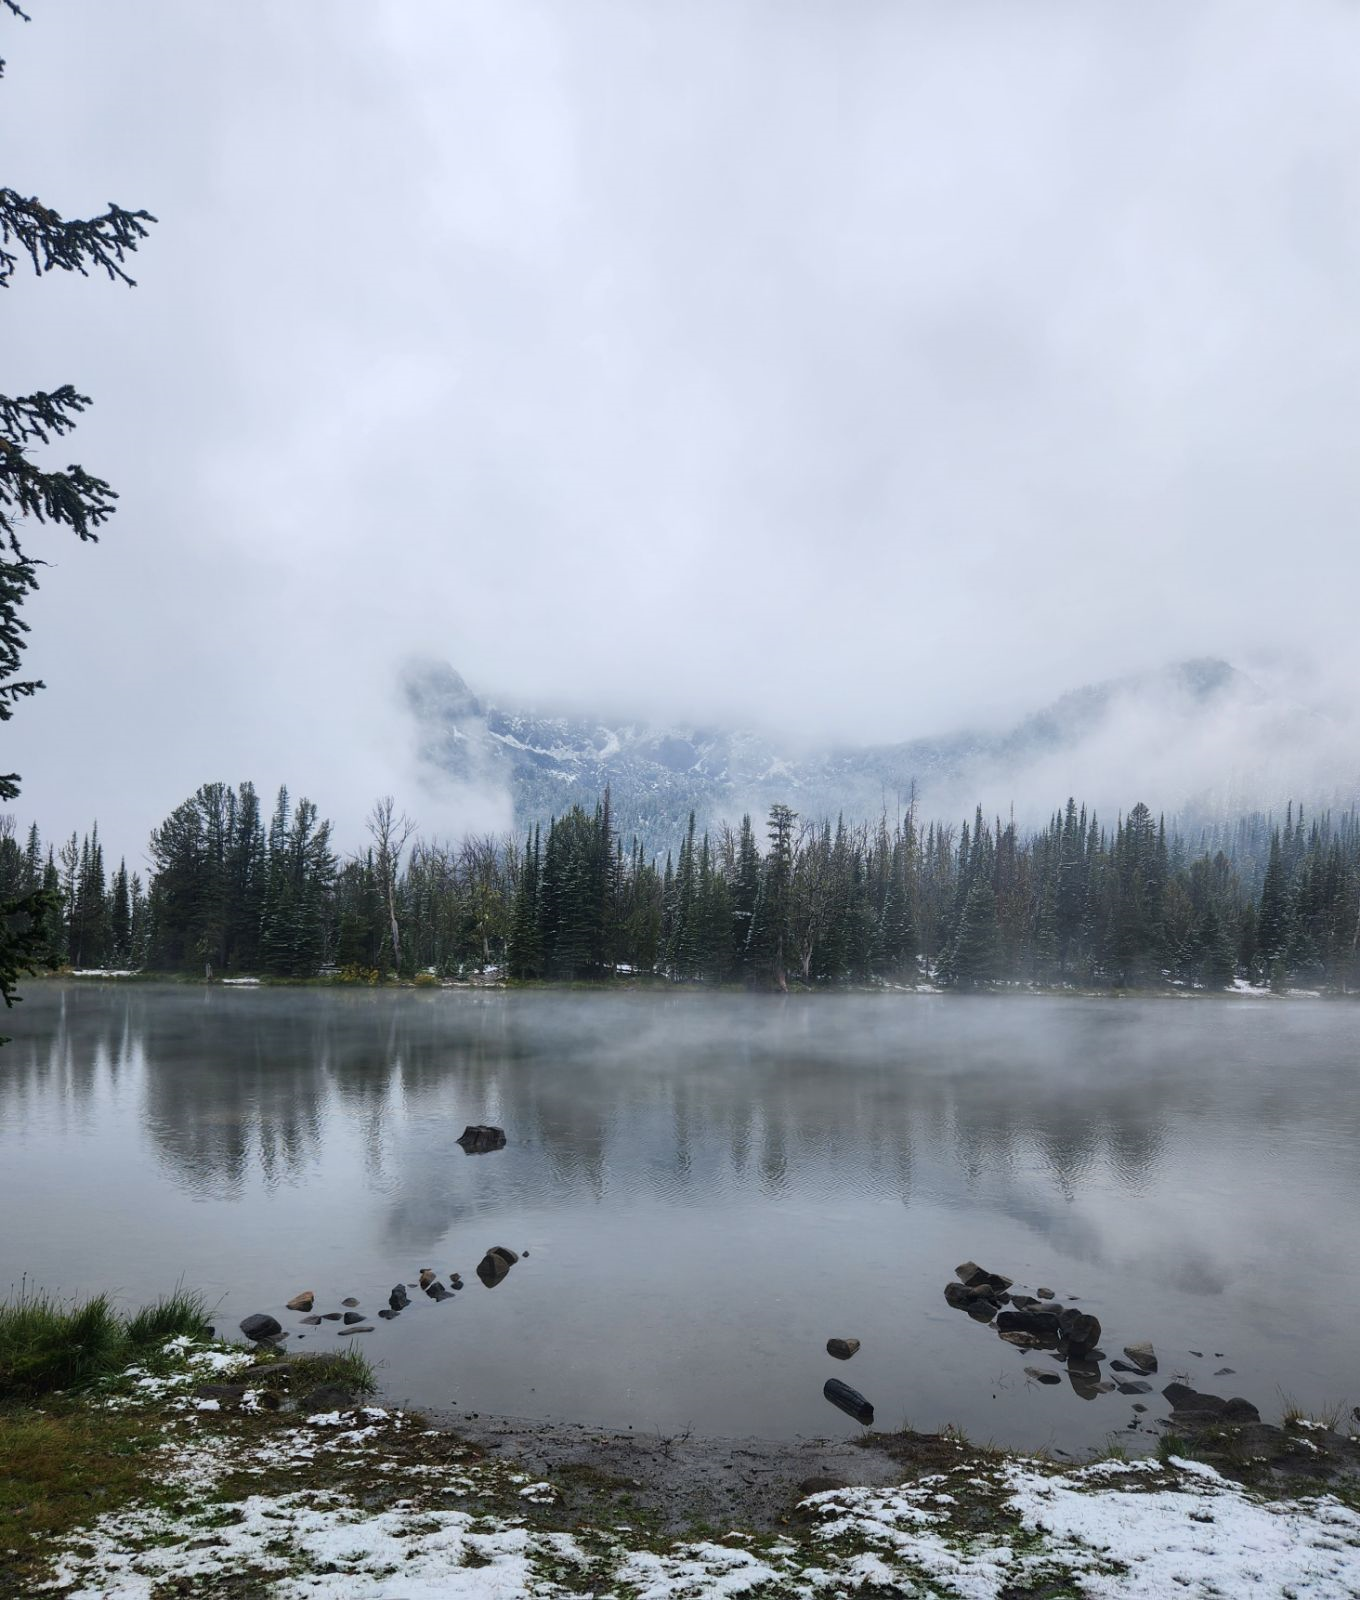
[707, 1188]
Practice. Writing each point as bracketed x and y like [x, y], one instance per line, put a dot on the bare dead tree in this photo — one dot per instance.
[391, 833]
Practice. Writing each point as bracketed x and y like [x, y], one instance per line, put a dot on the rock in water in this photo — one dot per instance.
[495, 1264]
[351, 1317]
[330, 1316]
[1082, 1331]
[399, 1298]
[427, 1277]
[437, 1291]
[1040, 1376]
[479, 1137]
[310, 1322]
[842, 1349]
[1044, 1323]
[1143, 1356]
[351, 1301]
[260, 1325]
[303, 1301]
[1135, 1386]
[388, 1313]
[849, 1400]
[1188, 1405]
[1044, 1294]
[345, 1332]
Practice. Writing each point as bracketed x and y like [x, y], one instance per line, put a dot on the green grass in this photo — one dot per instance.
[351, 1368]
[47, 1345]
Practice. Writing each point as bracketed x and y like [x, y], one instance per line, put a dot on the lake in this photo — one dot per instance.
[705, 1188]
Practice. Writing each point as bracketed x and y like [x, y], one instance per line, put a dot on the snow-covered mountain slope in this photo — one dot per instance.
[1197, 736]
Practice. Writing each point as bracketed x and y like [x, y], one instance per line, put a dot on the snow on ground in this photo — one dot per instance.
[989, 1529]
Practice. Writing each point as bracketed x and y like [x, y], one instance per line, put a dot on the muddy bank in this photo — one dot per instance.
[681, 1481]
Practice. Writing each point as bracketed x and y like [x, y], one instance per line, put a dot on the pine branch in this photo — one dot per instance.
[40, 416]
[55, 243]
[75, 497]
[13, 5]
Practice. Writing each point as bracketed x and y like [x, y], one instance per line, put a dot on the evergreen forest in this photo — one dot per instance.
[235, 889]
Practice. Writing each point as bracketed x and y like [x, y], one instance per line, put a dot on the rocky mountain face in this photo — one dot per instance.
[657, 775]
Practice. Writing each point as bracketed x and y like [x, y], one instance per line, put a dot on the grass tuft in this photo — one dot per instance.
[47, 1345]
[183, 1312]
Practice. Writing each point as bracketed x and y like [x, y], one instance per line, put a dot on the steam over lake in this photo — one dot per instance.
[707, 1188]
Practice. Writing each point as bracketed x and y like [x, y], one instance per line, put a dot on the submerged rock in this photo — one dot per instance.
[1135, 1386]
[388, 1313]
[849, 1400]
[352, 1317]
[479, 1137]
[842, 1349]
[351, 1301]
[437, 1291]
[345, 1332]
[260, 1325]
[399, 1298]
[1040, 1375]
[330, 1316]
[310, 1322]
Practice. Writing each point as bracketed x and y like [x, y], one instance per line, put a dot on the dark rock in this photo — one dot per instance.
[1083, 1332]
[1024, 1302]
[456, 1280]
[849, 1400]
[1139, 1406]
[842, 1349]
[1188, 1404]
[427, 1277]
[1044, 1294]
[311, 1322]
[388, 1314]
[1135, 1386]
[1143, 1356]
[221, 1391]
[352, 1317]
[260, 1325]
[1040, 1375]
[1198, 1353]
[1123, 1366]
[331, 1316]
[399, 1298]
[437, 1291]
[345, 1332]
[479, 1137]
[1225, 1372]
[330, 1397]
[973, 1276]
[351, 1301]
[1041, 1322]
[303, 1301]
[981, 1310]
[1084, 1376]
[821, 1485]
[495, 1264]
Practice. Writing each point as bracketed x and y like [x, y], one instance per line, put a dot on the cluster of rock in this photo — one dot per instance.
[1040, 1322]
[492, 1269]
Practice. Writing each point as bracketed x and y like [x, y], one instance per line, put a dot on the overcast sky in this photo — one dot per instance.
[858, 367]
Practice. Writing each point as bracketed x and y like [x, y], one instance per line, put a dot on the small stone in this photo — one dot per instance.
[345, 1332]
[399, 1297]
[1139, 1406]
[1198, 1353]
[427, 1277]
[260, 1325]
[351, 1301]
[1225, 1372]
[437, 1291]
[1023, 1341]
[330, 1316]
[311, 1322]
[1041, 1376]
[388, 1314]
[303, 1301]
[352, 1317]
[1044, 1294]
[842, 1349]
[1135, 1386]
[848, 1400]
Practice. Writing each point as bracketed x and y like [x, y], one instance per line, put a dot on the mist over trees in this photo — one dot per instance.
[233, 889]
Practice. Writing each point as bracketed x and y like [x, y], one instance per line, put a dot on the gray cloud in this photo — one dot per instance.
[861, 370]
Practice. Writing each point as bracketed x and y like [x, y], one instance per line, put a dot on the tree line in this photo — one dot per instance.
[233, 890]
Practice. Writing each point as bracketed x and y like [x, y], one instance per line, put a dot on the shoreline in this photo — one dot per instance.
[243, 1474]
